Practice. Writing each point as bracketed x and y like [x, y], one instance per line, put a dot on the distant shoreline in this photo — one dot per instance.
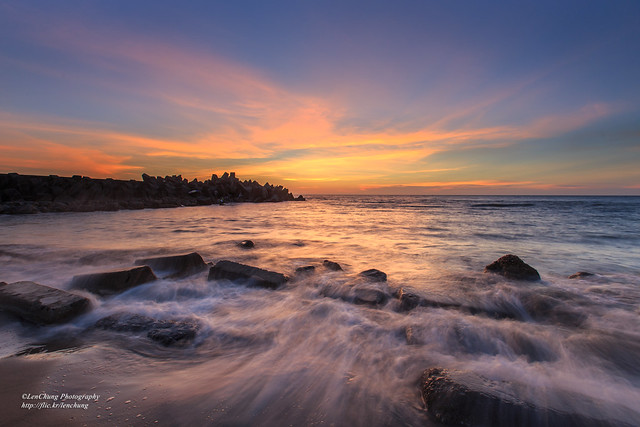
[30, 194]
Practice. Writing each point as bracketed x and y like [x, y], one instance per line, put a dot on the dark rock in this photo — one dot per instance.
[369, 296]
[247, 244]
[40, 304]
[581, 275]
[176, 265]
[112, 282]
[374, 275]
[165, 332]
[512, 267]
[465, 398]
[255, 276]
[307, 269]
[334, 266]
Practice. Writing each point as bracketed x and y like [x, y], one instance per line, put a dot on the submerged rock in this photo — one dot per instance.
[255, 276]
[408, 300]
[307, 269]
[40, 304]
[581, 275]
[165, 332]
[374, 275]
[112, 282]
[465, 398]
[369, 296]
[334, 266]
[512, 267]
[357, 292]
[176, 265]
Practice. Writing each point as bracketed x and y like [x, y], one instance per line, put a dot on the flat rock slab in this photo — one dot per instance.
[113, 282]
[40, 304]
[175, 266]
[254, 276]
[166, 332]
[512, 267]
[465, 398]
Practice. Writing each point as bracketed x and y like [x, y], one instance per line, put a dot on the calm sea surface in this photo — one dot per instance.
[294, 356]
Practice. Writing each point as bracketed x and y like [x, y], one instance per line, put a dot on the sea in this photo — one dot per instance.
[299, 355]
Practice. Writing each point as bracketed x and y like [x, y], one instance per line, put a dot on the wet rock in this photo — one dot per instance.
[254, 276]
[581, 275]
[409, 335]
[175, 334]
[40, 304]
[166, 332]
[512, 267]
[246, 244]
[333, 266]
[307, 269]
[369, 296]
[112, 282]
[176, 265]
[126, 322]
[465, 398]
[373, 275]
[408, 300]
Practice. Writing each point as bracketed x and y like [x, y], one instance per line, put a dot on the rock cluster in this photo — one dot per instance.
[25, 194]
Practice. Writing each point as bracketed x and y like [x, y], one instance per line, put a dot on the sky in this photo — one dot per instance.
[358, 97]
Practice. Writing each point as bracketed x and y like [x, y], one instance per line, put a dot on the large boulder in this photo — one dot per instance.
[112, 282]
[176, 265]
[251, 275]
[40, 304]
[466, 398]
[512, 267]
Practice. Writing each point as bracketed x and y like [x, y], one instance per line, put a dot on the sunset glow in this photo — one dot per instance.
[422, 98]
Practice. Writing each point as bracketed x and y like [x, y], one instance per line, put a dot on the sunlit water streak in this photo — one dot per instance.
[292, 356]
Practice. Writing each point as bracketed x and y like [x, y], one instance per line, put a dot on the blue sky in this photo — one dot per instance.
[423, 97]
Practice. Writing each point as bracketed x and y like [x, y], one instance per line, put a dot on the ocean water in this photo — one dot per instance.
[295, 356]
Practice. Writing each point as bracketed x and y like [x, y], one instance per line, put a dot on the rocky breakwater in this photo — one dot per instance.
[25, 194]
